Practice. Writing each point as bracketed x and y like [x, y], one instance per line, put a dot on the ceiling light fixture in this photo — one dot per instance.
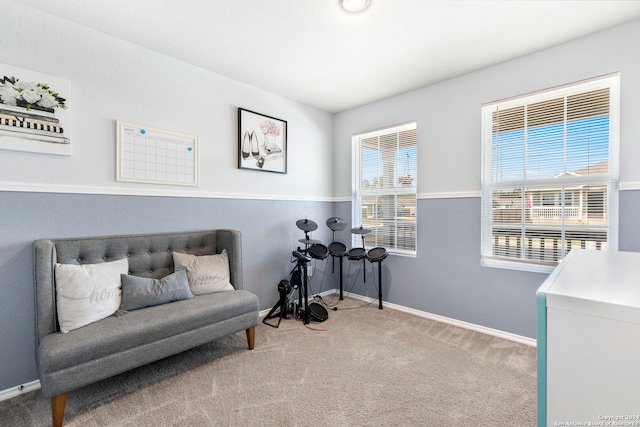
[354, 5]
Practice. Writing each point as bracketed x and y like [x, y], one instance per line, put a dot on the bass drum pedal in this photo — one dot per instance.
[318, 312]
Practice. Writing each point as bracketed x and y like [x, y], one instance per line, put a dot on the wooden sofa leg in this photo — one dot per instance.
[251, 334]
[57, 409]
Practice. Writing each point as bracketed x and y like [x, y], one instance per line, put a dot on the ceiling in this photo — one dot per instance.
[313, 52]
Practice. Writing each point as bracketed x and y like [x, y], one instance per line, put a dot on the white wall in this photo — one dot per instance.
[115, 80]
[448, 113]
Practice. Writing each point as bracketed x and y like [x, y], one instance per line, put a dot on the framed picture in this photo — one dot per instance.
[34, 111]
[262, 142]
[156, 156]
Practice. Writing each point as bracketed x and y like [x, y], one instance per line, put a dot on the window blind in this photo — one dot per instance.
[385, 196]
[550, 174]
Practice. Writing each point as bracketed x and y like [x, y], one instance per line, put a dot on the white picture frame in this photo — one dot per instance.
[155, 156]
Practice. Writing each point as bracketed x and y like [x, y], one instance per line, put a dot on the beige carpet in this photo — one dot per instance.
[367, 367]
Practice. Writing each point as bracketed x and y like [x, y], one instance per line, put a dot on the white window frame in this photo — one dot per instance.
[358, 192]
[610, 180]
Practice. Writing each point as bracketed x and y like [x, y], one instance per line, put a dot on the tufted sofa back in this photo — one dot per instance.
[149, 255]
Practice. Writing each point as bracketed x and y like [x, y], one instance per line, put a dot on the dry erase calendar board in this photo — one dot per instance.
[156, 156]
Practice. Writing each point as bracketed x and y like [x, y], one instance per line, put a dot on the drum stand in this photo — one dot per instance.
[377, 255]
[341, 297]
[302, 270]
[333, 259]
[364, 262]
[337, 224]
[379, 283]
[362, 231]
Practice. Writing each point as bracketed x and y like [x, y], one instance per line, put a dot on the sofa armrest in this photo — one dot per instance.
[44, 259]
[231, 240]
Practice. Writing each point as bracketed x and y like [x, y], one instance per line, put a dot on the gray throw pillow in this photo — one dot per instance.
[139, 292]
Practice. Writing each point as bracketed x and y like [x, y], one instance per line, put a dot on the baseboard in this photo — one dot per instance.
[18, 390]
[478, 328]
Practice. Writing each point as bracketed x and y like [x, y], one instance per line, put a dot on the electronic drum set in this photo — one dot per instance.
[314, 249]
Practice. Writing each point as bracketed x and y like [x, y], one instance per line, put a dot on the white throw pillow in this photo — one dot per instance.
[206, 273]
[89, 292]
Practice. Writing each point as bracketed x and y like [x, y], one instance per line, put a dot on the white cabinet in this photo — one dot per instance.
[589, 341]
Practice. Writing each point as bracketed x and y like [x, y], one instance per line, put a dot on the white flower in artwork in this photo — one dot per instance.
[8, 95]
[29, 95]
[48, 101]
[26, 86]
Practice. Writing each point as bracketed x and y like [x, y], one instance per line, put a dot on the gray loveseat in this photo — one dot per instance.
[113, 345]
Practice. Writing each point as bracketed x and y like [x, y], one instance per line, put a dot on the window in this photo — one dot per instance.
[384, 188]
[550, 174]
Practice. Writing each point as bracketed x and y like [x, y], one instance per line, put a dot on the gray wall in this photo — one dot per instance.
[446, 278]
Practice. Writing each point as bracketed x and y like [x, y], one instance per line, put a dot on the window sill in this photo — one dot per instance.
[404, 254]
[515, 265]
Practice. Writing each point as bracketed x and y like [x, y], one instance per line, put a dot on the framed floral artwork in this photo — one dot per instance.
[34, 111]
[262, 142]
